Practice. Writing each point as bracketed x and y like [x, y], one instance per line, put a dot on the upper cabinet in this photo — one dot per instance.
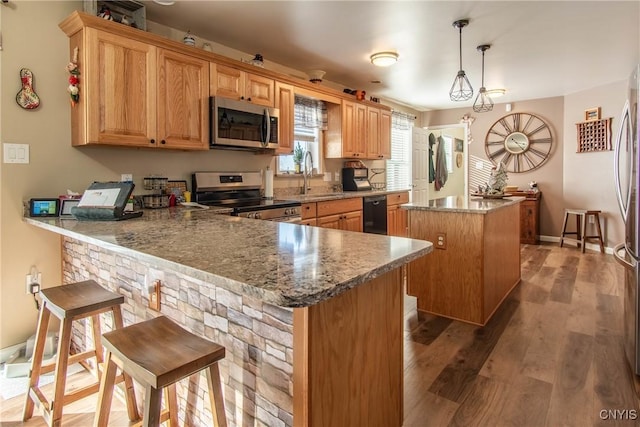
[285, 103]
[237, 84]
[358, 131]
[127, 85]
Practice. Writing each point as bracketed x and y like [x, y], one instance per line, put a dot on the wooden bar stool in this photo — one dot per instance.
[68, 303]
[157, 353]
[582, 218]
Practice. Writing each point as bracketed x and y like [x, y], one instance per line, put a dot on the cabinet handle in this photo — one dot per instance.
[153, 141]
[163, 142]
[249, 99]
[242, 97]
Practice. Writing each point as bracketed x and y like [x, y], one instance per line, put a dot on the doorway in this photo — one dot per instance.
[439, 162]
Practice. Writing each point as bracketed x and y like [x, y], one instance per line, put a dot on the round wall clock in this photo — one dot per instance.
[521, 141]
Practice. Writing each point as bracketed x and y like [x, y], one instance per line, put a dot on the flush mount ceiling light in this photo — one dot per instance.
[483, 102]
[384, 59]
[496, 93]
[164, 2]
[461, 89]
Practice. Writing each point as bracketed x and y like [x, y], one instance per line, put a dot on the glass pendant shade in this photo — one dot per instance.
[461, 89]
[483, 102]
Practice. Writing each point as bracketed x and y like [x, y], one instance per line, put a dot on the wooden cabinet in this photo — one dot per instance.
[312, 222]
[342, 214]
[127, 85]
[285, 102]
[358, 131]
[529, 217]
[397, 218]
[237, 84]
[379, 133]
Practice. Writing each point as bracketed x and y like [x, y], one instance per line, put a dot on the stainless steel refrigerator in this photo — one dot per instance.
[626, 168]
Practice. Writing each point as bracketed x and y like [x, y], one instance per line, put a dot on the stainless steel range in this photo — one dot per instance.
[240, 191]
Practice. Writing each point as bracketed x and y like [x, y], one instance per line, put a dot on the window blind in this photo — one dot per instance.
[399, 165]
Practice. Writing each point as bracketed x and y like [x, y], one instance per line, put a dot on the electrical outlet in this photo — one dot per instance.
[126, 177]
[337, 176]
[441, 240]
[31, 280]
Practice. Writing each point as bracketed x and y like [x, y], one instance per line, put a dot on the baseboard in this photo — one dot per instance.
[590, 246]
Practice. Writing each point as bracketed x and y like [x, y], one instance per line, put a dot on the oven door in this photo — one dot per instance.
[242, 124]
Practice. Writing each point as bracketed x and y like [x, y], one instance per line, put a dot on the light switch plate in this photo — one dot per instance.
[15, 153]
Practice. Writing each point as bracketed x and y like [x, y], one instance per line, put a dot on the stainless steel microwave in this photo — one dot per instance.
[242, 124]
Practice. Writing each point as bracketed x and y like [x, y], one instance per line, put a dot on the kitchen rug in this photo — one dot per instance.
[12, 387]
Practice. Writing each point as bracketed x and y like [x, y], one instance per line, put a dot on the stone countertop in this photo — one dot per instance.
[283, 264]
[464, 204]
[310, 198]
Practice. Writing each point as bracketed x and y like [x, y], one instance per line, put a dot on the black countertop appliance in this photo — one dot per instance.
[355, 179]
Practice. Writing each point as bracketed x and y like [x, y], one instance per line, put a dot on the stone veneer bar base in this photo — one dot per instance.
[257, 372]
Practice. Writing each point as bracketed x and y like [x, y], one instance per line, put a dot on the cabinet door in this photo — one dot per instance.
[228, 82]
[183, 101]
[392, 213]
[348, 129]
[352, 221]
[120, 84]
[259, 90]
[373, 133]
[360, 134]
[284, 101]
[331, 221]
[384, 140]
[312, 222]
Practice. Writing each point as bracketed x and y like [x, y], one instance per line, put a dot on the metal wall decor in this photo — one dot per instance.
[461, 89]
[483, 102]
[521, 141]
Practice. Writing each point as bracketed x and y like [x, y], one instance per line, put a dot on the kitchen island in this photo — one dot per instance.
[476, 261]
[311, 318]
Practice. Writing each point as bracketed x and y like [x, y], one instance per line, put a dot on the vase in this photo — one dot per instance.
[297, 167]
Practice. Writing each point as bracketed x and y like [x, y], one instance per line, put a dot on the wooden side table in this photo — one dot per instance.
[529, 217]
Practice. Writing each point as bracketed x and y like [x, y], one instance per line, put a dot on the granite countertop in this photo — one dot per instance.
[283, 264]
[464, 204]
[310, 198]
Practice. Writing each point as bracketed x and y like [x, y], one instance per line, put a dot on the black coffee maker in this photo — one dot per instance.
[355, 179]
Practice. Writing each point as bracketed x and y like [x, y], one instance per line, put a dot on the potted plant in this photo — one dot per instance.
[298, 153]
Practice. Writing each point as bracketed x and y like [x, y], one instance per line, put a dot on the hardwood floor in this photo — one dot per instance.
[551, 355]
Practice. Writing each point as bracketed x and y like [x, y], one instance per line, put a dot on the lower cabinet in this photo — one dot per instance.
[312, 221]
[397, 218]
[349, 221]
[529, 217]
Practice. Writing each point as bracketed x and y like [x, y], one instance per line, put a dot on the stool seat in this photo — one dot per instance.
[157, 353]
[582, 216]
[78, 299]
[161, 351]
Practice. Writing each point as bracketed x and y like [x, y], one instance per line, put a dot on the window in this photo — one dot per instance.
[310, 118]
[399, 165]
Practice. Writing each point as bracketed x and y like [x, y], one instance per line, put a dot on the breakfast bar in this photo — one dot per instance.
[313, 333]
[476, 261]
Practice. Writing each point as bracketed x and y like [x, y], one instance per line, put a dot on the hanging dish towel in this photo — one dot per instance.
[432, 170]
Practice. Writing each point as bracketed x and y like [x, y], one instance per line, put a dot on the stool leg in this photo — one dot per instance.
[105, 395]
[597, 218]
[172, 404]
[36, 361]
[564, 228]
[132, 405]
[584, 233]
[152, 407]
[578, 229]
[215, 396]
[97, 344]
[60, 378]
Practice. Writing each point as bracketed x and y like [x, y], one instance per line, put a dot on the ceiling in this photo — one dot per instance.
[539, 48]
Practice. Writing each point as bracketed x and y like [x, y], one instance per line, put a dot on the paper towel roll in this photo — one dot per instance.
[268, 183]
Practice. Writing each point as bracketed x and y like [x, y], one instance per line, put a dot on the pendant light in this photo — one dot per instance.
[483, 102]
[461, 89]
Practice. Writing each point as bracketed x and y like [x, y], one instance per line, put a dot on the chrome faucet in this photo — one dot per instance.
[308, 168]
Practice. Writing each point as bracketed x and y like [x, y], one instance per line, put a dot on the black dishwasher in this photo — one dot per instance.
[375, 214]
